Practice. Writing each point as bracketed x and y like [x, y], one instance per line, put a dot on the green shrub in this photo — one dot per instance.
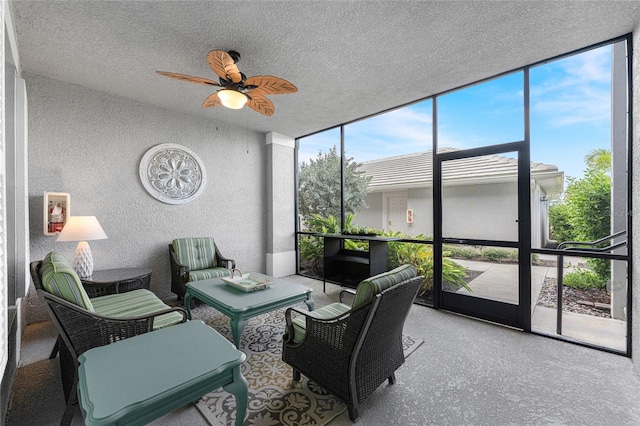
[312, 252]
[421, 256]
[460, 252]
[497, 255]
[312, 248]
[583, 279]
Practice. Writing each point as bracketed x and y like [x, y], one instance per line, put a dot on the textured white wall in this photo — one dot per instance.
[89, 144]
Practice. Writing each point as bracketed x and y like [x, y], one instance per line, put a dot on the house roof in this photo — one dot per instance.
[348, 59]
[416, 171]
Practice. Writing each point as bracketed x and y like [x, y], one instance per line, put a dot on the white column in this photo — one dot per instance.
[281, 254]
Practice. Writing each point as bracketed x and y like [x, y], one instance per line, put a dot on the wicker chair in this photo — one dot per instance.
[194, 259]
[351, 350]
[80, 330]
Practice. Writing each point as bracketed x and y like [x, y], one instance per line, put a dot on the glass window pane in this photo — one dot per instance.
[484, 114]
[481, 271]
[571, 127]
[388, 184]
[593, 300]
[480, 197]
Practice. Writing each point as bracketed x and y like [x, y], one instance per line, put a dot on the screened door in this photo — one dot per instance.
[484, 223]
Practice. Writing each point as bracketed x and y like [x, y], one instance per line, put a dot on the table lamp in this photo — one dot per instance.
[82, 229]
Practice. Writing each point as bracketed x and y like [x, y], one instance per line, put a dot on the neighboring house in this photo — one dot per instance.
[477, 192]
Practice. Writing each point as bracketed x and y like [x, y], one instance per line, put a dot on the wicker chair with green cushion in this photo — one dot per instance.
[84, 323]
[352, 350]
[194, 259]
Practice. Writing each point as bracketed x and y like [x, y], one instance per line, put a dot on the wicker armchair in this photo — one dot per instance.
[351, 350]
[80, 330]
[194, 259]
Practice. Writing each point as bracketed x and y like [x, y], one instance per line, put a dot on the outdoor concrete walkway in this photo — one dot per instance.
[500, 282]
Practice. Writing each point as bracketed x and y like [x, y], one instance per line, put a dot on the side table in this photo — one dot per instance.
[120, 280]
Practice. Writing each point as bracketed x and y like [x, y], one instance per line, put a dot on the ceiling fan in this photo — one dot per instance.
[236, 89]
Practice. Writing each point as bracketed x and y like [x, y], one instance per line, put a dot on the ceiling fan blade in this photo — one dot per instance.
[212, 100]
[189, 78]
[270, 85]
[222, 64]
[259, 103]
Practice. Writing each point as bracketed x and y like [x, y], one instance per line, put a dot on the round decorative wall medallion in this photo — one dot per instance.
[172, 173]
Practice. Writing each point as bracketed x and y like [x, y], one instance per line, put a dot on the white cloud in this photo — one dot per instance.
[576, 91]
[401, 131]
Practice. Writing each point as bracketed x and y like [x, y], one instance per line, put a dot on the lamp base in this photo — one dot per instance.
[83, 260]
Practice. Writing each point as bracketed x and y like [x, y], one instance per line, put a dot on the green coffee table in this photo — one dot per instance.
[137, 380]
[240, 306]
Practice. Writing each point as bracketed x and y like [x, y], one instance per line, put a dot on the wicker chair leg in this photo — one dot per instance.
[353, 413]
[296, 375]
[54, 350]
[392, 378]
[69, 411]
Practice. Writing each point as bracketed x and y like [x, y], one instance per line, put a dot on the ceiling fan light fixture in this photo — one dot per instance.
[232, 98]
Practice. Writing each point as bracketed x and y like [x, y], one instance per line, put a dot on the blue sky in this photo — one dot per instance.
[570, 116]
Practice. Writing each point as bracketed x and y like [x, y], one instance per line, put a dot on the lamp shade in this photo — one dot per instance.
[232, 98]
[81, 228]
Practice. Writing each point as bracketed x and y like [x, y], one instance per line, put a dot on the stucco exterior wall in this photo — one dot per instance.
[372, 215]
[90, 144]
[421, 202]
[480, 212]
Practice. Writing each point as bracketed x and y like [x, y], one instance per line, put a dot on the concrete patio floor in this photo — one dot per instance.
[467, 372]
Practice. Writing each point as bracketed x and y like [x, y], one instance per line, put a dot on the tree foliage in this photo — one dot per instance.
[589, 205]
[319, 186]
[584, 214]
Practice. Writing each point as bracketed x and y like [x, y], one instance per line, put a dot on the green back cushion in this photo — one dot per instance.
[196, 253]
[59, 279]
[374, 285]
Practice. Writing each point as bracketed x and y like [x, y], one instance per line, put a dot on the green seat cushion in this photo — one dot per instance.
[196, 253]
[371, 286]
[327, 312]
[135, 303]
[205, 274]
[59, 279]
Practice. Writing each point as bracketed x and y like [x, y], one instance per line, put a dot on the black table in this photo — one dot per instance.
[120, 280]
[349, 267]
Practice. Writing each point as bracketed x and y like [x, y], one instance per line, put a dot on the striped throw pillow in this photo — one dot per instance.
[59, 279]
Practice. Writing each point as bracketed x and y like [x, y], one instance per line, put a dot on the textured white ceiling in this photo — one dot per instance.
[348, 59]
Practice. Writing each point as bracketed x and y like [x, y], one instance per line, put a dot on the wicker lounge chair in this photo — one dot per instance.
[194, 259]
[351, 350]
[84, 323]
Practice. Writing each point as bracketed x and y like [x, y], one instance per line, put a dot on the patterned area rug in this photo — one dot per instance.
[274, 398]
